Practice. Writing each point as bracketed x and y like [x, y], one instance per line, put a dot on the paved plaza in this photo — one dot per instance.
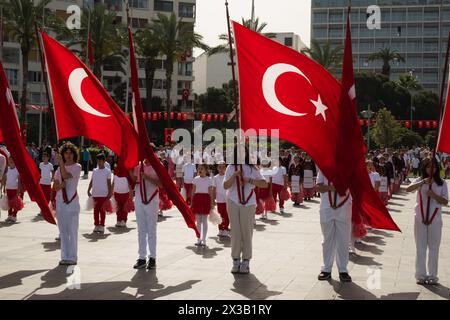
[287, 259]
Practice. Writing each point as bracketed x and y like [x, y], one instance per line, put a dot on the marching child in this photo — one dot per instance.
[220, 196]
[201, 202]
[309, 171]
[101, 188]
[296, 179]
[188, 176]
[428, 225]
[47, 172]
[279, 183]
[13, 187]
[384, 181]
[123, 194]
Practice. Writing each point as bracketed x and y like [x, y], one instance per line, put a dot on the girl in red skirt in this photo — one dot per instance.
[220, 196]
[13, 188]
[47, 172]
[123, 195]
[266, 194]
[201, 202]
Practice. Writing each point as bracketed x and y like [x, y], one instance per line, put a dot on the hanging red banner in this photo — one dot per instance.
[165, 115]
[178, 116]
[435, 124]
[171, 116]
[184, 116]
[208, 117]
[221, 117]
[155, 116]
[216, 116]
[427, 124]
[407, 124]
[420, 124]
[203, 117]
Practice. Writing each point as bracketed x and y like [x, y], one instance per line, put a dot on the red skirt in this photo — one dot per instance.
[263, 193]
[201, 203]
[14, 201]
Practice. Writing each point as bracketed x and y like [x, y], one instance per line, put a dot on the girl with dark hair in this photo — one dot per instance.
[428, 225]
[67, 202]
[240, 180]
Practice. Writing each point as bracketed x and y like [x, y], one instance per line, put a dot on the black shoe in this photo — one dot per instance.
[324, 276]
[151, 263]
[140, 264]
[345, 277]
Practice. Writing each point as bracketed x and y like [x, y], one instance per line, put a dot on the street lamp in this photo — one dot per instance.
[411, 91]
[367, 114]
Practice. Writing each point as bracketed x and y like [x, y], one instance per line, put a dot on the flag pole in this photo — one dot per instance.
[127, 91]
[45, 80]
[441, 108]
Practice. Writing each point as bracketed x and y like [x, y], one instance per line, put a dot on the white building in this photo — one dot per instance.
[215, 70]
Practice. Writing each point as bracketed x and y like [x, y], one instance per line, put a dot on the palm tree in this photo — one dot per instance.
[409, 82]
[20, 17]
[148, 47]
[175, 38]
[328, 57]
[107, 34]
[386, 55]
[248, 23]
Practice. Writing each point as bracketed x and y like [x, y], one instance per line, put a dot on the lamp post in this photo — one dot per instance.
[368, 114]
[411, 91]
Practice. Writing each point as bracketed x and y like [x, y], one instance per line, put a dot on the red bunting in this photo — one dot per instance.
[216, 116]
[435, 124]
[203, 117]
[184, 116]
[178, 116]
[165, 115]
[171, 116]
[155, 116]
[420, 124]
[221, 117]
[208, 117]
[427, 124]
[407, 124]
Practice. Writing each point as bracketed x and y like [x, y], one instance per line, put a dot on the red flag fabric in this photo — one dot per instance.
[283, 89]
[367, 206]
[146, 150]
[90, 50]
[9, 125]
[443, 144]
[82, 105]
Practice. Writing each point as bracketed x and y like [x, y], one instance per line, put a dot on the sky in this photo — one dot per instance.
[280, 15]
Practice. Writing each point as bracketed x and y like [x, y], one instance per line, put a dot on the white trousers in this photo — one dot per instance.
[241, 223]
[68, 221]
[202, 225]
[336, 237]
[427, 238]
[147, 220]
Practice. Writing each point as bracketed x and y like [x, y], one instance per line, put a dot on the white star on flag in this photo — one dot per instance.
[320, 107]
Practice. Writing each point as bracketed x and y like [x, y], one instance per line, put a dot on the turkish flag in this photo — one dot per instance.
[146, 150]
[367, 206]
[82, 105]
[443, 144]
[283, 89]
[9, 125]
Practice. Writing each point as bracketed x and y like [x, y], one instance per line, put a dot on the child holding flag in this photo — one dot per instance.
[201, 202]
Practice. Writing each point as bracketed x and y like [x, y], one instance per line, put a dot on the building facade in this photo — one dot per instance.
[214, 71]
[417, 29]
[142, 12]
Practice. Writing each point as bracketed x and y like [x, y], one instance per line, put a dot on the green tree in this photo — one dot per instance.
[385, 131]
[328, 57]
[386, 55]
[426, 105]
[175, 38]
[407, 138]
[20, 17]
[149, 48]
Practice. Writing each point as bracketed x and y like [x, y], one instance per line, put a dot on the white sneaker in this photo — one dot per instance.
[101, 229]
[227, 233]
[96, 229]
[198, 243]
[281, 210]
[124, 224]
[236, 265]
[118, 224]
[203, 243]
[244, 267]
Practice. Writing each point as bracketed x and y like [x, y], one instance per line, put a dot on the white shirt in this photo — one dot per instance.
[188, 172]
[415, 163]
[150, 187]
[12, 179]
[100, 179]
[2, 165]
[121, 185]
[248, 172]
[439, 190]
[71, 184]
[220, 191]
[46, 173]
[374, 177]
[279, 173]
[202, 184]
[344, 213]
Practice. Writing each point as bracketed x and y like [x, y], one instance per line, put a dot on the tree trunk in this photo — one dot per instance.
[169, 72]
[149, 76]
[386, 69]
[23, 99]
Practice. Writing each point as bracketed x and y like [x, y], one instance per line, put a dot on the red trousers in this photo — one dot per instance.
[188, 187]
[121, 199]
[276, 190]
[99, 212]
[222, 210]
[47, 188]
[14, 201]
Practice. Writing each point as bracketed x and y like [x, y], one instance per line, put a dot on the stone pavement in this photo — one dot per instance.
[287, 259]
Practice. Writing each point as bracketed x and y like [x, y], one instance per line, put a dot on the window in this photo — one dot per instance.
[159, 84]
[36, 97]
[11, 74]
[185, 69]
[34, 76]
[138, 22]
[139, 4]
[141, 83]
[166, 6]
[186, 10]
[288, 41]
[11, 55]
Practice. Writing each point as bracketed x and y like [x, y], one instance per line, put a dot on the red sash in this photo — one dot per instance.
[143, 188]
[333, 203]
[241, 193]
[430, 221]
[64, 192]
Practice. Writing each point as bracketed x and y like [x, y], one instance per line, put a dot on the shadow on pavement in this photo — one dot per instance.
[363, 260]
[115, 230]
[94, 237]
[51, 246]
[352, 291]
[225, 241]
[205, 252]
[381, 233]
[375, 239]
[15, 278]
[250, 287]
[440, 290]
[368, 248]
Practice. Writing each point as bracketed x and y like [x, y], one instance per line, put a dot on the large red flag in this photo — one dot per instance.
[443, 144]
[283, 89]
[9, 125]
[82, 105]
[146, 150]
[366, 202]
